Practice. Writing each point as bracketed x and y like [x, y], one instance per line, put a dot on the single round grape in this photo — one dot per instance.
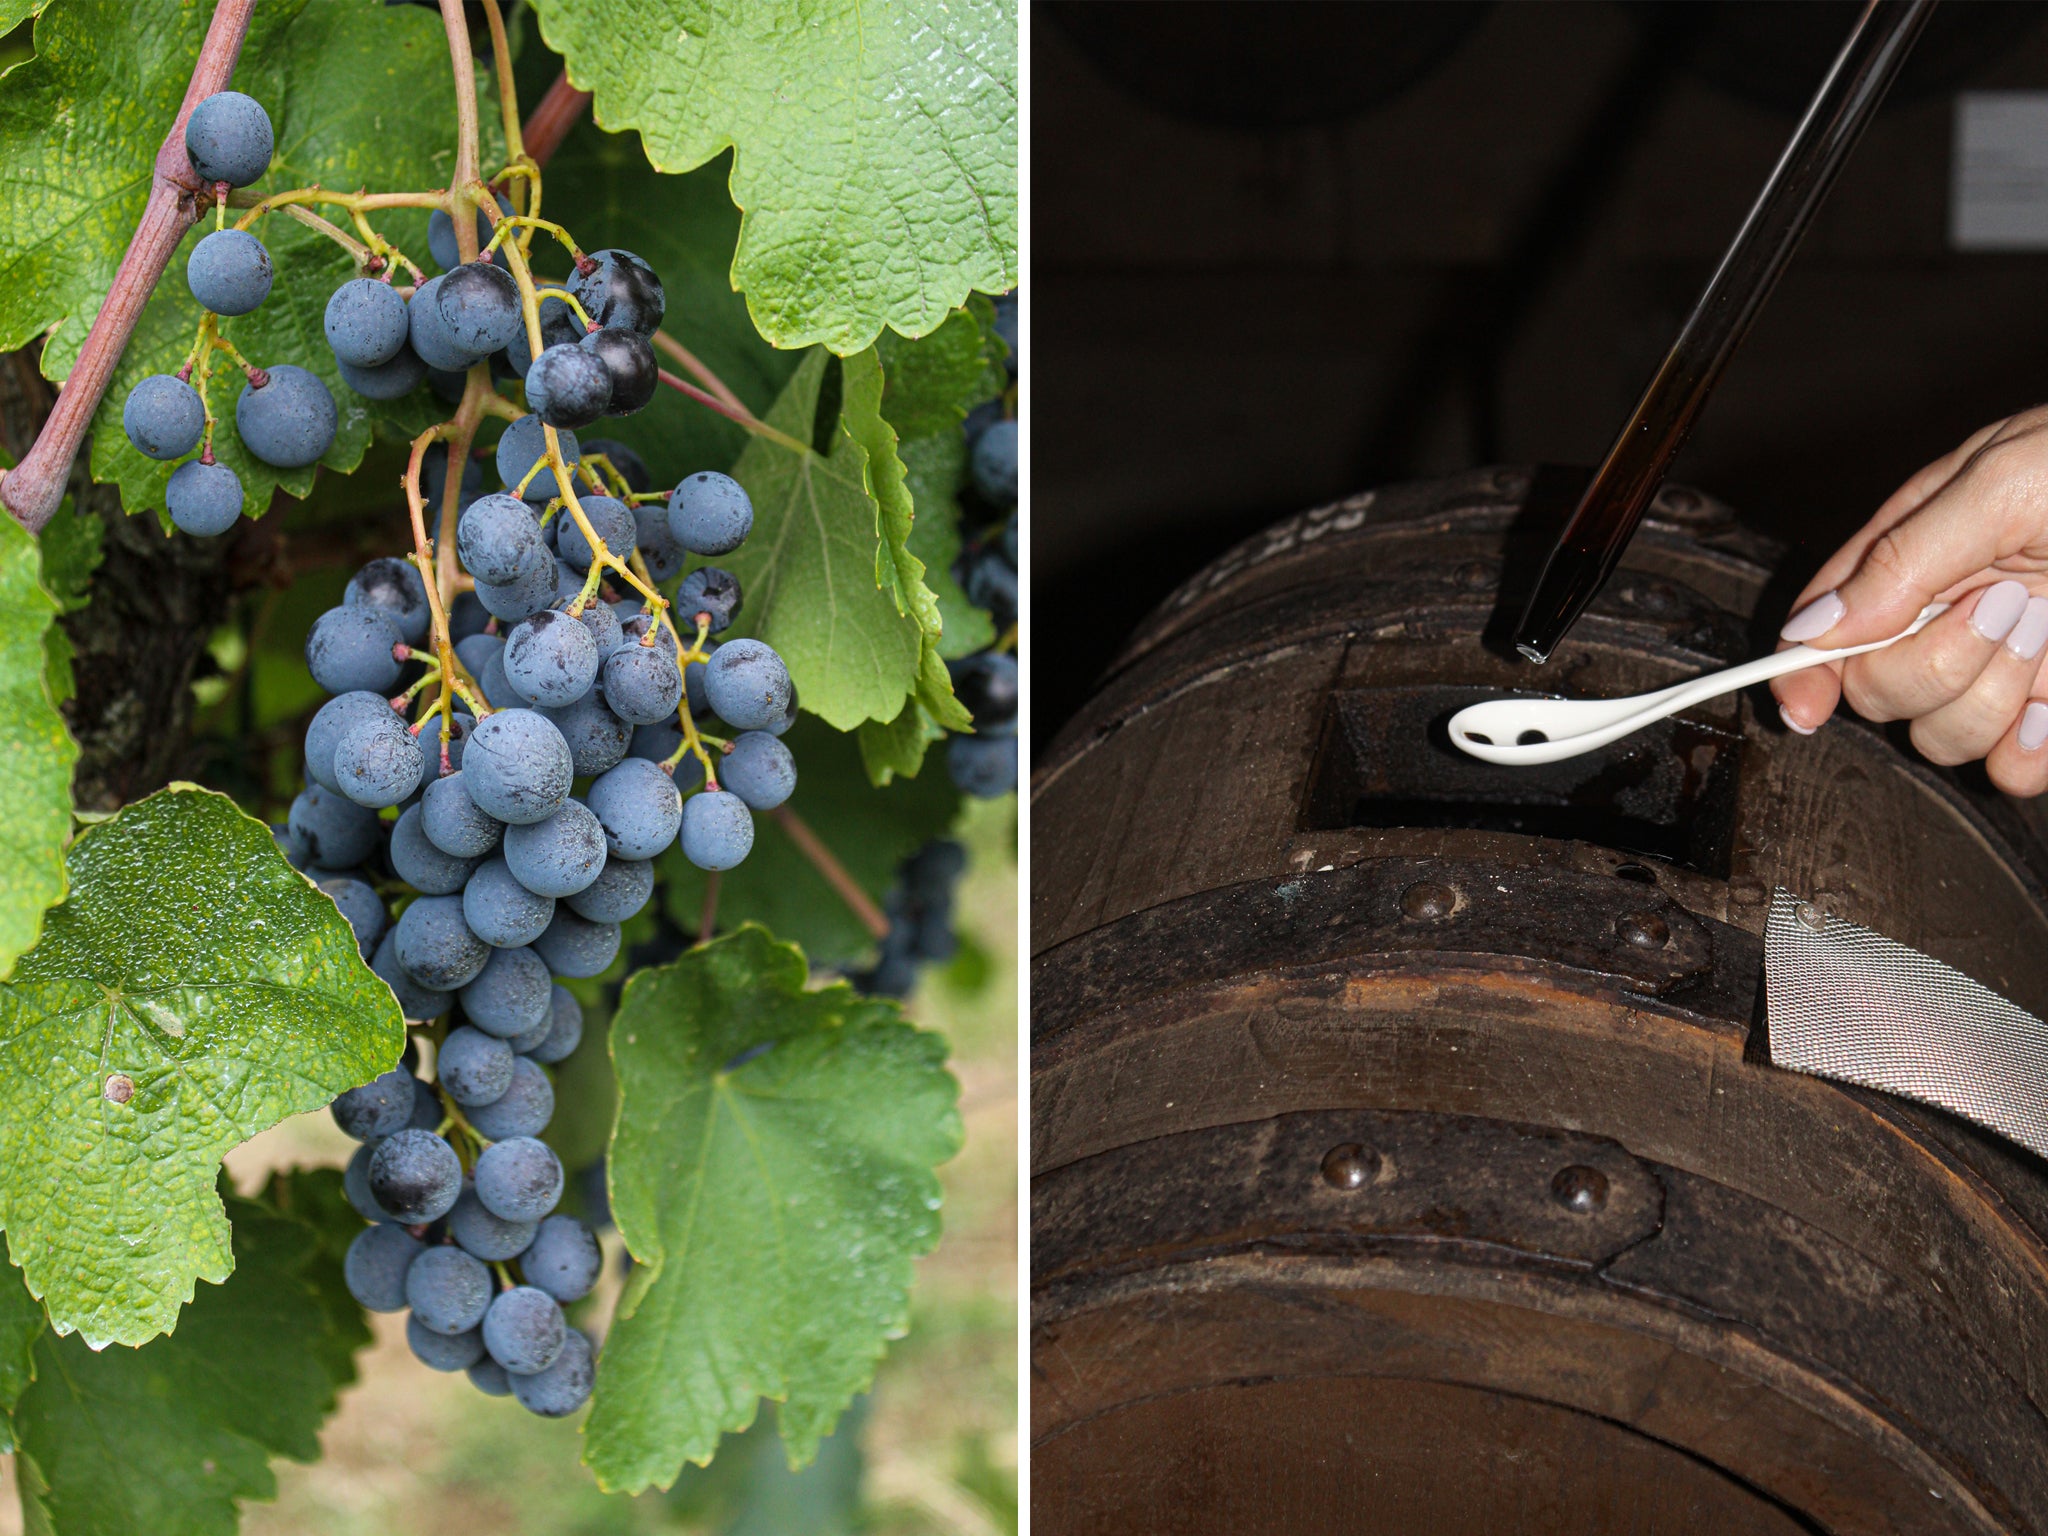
[348, 650]
[468, 617]
[568, 582]
[597, 738]
[355, 1183]
[620, 290]
[480, 1234]
[474, 650]
[563, 1259]
[603, 625]
[434, 476]
[565, 1027]
[710, 513]
[501, 911]
[448, 384]
[461, 725]
[377, 1108]
[711, 592]
[228, 138]
[330, 830]
[478, 305]
[550, 659]
[525, 445]
[760, 770]
[489, 1377]
[980, 419]
[203, 499]
[637, 807]
[229, 272]
[427, 1110]
[564, 1386]
[533, 590]
[448, 1290]
[559, 856]
[693, 683]
[665, 557]
[987, 685]
[510, 994]
[992, 584]
[983, 766]
[747, 684]
[377, 761]
[366, 323]
[519, 1179]
[436, 946]
[362, 906]
[995, 464]
[375, 1266]
[498, 539]
[473, 1068]
[442, 1351]
[452, 822]
[658, 743]
[558, 324]
[718, 830]
[415, 1175]
[517, 767]
[629, 365]
[1009, 544]
[568, 387]
[431, 339]
[641, 683]
[523, 1044]
[441, 235]
[288, 423]
[524, 1330]
[613, 522]
[620, 890]
[416, 1002]
[164, 418]
[524, 1109]
[575, 946]
[387, 381]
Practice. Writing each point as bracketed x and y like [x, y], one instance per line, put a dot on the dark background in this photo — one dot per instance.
[1284, 252]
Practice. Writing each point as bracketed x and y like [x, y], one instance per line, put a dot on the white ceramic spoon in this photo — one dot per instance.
[1562, 728]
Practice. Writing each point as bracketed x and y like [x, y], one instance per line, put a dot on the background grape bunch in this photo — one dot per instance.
[985, 763]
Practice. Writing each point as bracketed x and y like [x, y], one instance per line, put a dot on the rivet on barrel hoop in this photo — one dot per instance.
[1580, 1189]
[1426, 900]
[1350, 1166]
[1812, 916]
[1645, 930]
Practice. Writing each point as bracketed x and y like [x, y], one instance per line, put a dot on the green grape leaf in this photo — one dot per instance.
[36, 750]
[898, 748]
[772, 1174]
[932, 469]
[79, 130]
[71, 553]
[192, 990]
[875, 147]
[21, 1324]
[808, 569]
[315, 1197]
[167, 1438]
[869, 831]
[14, 12]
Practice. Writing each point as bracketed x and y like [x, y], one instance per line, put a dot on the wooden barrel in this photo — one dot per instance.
[1406, 1154]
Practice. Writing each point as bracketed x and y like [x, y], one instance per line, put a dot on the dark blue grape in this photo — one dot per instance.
[498, 539]
[630, 369]
[519, 1179]
[429, 333]
[532, 591]
[489, 1377]
[575, 946]
[363, 908]
[448, 1290]
[478, 306]
[441, 1351]
[509, 995]
[718, 830]
[393, 585]
[229, 272]
[641, 683]
[490, 1238]
[565, 1027]
[377, 761]
[980, 419]
[448, 384]
[987, 685]
[525, 445]
[620, 890]
[387, 381]
[290, 421]
[568, 386]
[559, 856]
[658, 547]
[524, 1330]
[710, 594]
[603, 625]
[550, 659]
[597, 738]
[523, 1044]
[434, 476]
[995, 464]
[329, 830]
[524, 1109]
[355, 1183]
[710, 514]
[416, 1002]
[517, 767]
[568, 582]
[992, 584]
[620, 290]
[427, 1109]
[366, 323]
[203, 499]
[760, 770]
[558, 324]
[474, 650]
[228, 138]
[377, 1109]
[658, 743]
[501, 911]
[1006, 327]
[436, 946]
[983, 766]
[453, 823]
[164, 418]
[473, 1068]
[331, 721]
[441, 235]
[375, 1266]
[637, 807]
[468, 617]
[563, 1259]
[564, 1386]
[612, 521]
[415, 1175]
[747, 684]
[348, 650]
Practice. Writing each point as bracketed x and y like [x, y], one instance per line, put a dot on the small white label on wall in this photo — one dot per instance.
[1998, 187]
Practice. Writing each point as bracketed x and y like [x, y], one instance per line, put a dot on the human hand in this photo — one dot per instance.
[1971, 530]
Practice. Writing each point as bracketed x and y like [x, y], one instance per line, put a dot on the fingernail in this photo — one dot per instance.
[1785, 715]
[2031, 633]
[2034, 727]
[1999, 609]
[1815, 619]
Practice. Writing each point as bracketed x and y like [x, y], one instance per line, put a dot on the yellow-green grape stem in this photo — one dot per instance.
[519, 221]
[568, 298]
[431, 677]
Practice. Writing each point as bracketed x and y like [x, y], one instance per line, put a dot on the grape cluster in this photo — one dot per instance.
[985, 763]
[920, 909]
[284, 415]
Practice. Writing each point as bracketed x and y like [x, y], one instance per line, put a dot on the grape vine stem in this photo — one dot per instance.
[843, 884]
[32, 490]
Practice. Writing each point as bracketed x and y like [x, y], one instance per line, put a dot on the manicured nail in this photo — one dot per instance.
[1815, 619]
[1785, 715]
[2034, 727]
[1999, 609]
[2031, 633]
